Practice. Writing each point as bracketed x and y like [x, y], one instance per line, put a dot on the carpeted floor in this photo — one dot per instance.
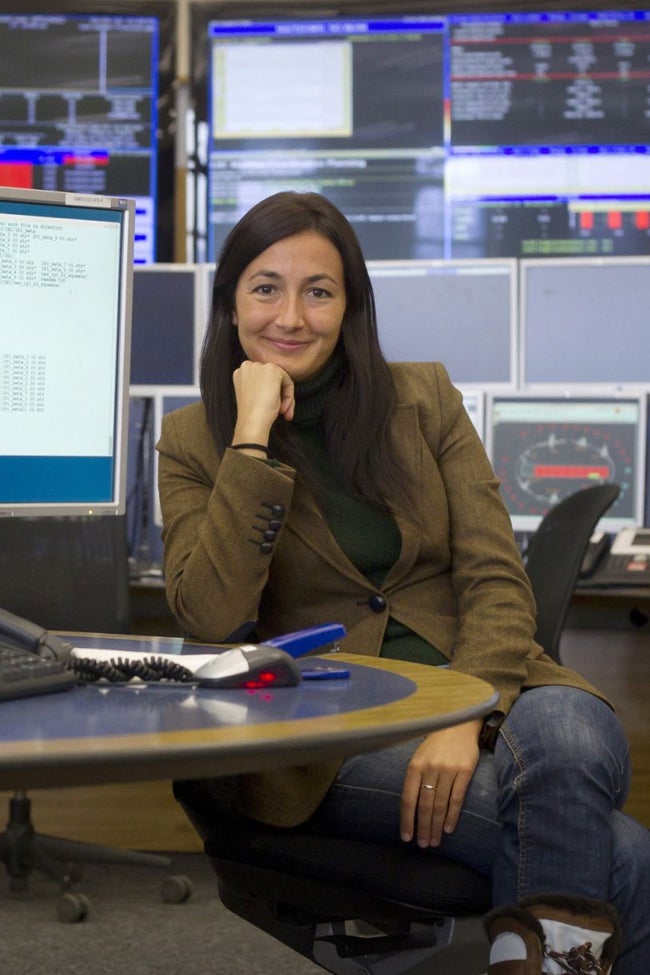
[130, 931]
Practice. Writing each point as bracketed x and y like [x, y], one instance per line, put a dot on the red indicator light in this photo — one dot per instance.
[571, 470]
[17, 174]
[263, 679]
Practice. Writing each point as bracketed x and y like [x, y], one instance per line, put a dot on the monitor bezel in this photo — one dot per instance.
[609, 523]
[117, 504]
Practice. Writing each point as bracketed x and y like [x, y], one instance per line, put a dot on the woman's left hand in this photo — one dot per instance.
[445, 761]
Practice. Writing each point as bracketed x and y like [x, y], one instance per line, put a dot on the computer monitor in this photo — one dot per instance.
[461, 133]
[86, 105]
[65, 295]
[544, 448]
[168, 324]
[461, 313]
[347, 105]
[549, 130]
[584, 320]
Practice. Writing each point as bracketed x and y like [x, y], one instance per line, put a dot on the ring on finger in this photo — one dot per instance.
[429, 788]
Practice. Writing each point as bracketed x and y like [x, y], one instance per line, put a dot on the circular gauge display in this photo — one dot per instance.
[541, 464]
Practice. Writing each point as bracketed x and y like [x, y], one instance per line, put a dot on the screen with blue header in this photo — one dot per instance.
[517, 133]
[65, 295]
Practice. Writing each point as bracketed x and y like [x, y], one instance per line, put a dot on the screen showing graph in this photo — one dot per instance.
[546, 448]
[85, 105]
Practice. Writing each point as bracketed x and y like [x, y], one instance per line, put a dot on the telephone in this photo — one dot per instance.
[625, 561]
[25, 635]
[32, 660]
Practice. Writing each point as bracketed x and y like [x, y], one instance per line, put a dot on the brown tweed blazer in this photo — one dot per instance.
[459, 581]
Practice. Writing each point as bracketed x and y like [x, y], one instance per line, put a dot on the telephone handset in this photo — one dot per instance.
[26, 635]
[625, 561]
[598, 547]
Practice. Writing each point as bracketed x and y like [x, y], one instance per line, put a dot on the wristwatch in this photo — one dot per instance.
[487, 738]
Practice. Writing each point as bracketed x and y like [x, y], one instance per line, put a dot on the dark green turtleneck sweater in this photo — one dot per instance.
[368, 537]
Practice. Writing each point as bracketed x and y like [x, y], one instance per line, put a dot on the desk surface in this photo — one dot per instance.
[101, 733]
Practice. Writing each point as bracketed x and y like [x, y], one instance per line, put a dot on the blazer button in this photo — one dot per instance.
[266, 547]
[269, 535]
[277, 510]
[377, 603]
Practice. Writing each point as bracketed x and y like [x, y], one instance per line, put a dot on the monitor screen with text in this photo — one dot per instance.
[66, 266]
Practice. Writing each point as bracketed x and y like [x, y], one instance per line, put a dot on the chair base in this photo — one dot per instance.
[356, 947]
[23, 851]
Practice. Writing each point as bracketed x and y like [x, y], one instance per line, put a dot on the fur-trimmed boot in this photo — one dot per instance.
[553, 934]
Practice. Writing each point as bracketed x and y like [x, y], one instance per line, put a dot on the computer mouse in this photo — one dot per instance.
[250, 666]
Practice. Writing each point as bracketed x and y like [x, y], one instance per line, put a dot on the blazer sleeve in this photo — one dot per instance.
[222, 519]
[496, 607]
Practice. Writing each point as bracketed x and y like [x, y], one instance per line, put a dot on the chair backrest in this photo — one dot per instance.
[555, 554]
[66, 573]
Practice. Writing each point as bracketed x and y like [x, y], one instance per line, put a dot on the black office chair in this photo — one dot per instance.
[345, 904]
[554, 556]
[67, 574]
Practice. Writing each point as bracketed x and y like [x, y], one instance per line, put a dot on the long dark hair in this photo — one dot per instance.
[357, 419]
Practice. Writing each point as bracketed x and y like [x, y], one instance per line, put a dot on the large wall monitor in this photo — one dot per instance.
[65, 300]
[86, 94]
[460, 313]
[465, 133]
[351, 107]
[585, 320]
[168, 325]
[544, 448]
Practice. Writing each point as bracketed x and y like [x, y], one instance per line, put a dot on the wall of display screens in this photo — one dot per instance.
[519, 133]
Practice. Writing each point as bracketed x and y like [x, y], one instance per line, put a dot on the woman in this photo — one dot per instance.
[314, 482]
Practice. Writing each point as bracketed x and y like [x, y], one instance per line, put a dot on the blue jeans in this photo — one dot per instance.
[541, 814]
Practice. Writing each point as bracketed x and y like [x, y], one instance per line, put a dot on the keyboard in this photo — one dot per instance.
[25, 674]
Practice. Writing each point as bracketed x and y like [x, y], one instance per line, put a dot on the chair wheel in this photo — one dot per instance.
[176, 889]
[72, 908]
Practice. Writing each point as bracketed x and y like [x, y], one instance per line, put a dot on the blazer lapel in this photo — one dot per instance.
[406, 434]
